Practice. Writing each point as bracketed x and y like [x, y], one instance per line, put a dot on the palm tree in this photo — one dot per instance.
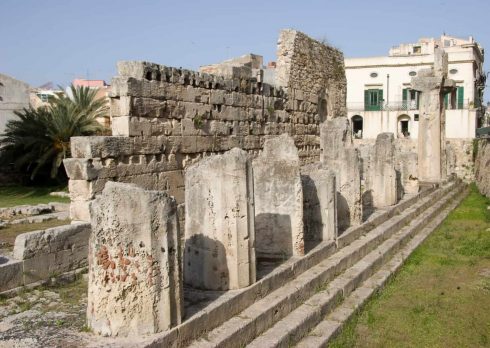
[41, 137]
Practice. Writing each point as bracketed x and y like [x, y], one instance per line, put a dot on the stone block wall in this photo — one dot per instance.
[42, 254]
[165, 118]
[306, 64]
[482, 166]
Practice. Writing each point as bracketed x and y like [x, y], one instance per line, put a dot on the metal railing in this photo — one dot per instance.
[483, 132]
[402, 106]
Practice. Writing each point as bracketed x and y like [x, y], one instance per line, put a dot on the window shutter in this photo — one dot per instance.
[380, 99]
[460, 97]
[446, 100]
[366, 99]
[404, 99]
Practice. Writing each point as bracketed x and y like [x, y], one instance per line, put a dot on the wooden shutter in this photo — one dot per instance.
[366, 100]
[404, 99]
[380, 99]
[460, 97]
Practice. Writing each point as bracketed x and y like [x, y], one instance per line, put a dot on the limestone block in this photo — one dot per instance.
[134, 283]
[407, 167]
[52, 251]
[79, 210]
[335, 135]
[29, 245]
[383, 176]
[349, 202]
[121, 126]
[278, 199]
[120, 106]
[431, 137]
[83, 189]
[100, 146]
[219, 249]
[82, 169]
[11, 274]
[337, 152]
[319, 202]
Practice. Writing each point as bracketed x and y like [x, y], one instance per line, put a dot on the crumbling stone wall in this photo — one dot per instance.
[482, 166]
[165, 118]
[304, 64]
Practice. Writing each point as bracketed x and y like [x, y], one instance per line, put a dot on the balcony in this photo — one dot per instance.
[402, 106]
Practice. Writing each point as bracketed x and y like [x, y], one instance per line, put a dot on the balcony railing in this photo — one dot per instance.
[401, 106]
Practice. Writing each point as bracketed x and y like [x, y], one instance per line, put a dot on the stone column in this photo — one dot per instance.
[335, 136]
[383, 176]
[219, 249]
[339, 154]
[134, 285]
[319, 203]
[278, 199]
[431, 84]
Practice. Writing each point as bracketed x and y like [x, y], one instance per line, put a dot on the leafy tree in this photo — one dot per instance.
[40, 138]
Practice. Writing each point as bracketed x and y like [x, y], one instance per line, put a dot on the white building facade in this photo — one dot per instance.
[380, 98]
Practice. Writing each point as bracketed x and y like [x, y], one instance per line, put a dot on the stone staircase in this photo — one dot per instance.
[306, 301]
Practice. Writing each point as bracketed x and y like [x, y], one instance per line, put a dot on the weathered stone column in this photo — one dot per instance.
[383, 176]
[339, 154]
[278, 199]
[335, 136]
[319, 203]
[219, 249]
[134, 285]
[431, 84]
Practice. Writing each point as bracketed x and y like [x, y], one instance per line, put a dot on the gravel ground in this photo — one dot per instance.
[46, 317]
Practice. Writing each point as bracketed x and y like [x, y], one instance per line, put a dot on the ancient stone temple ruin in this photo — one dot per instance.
[228, 206]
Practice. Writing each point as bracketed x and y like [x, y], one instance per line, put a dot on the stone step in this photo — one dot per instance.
[257, 318]
[333, 322]
[294, 326]
[199, 324]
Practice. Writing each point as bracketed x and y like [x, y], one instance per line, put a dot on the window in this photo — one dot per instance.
[403, 126]
[410, 99]
[453, 71]
[373, 99]
[460, 97]
[373, 74]
[44, 97]
[417, 49]
[412, 73]
[357, 126]
[416, 117]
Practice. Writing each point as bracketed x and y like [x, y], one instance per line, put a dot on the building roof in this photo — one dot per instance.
[89, 83]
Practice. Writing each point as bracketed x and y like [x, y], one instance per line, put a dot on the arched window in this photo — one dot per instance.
[404, 126]
[357, 126]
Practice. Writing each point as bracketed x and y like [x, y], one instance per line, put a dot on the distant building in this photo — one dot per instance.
[14, 96]
[379, 97]
[40, 96]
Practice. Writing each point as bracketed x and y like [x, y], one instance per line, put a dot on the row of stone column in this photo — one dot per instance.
[237, 209]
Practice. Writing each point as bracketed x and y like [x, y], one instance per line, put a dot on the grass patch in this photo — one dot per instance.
[9, 233]
[441, 296]
[11, 196]
[73, 292]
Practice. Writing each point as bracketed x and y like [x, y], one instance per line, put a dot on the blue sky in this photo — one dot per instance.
[60, 40]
